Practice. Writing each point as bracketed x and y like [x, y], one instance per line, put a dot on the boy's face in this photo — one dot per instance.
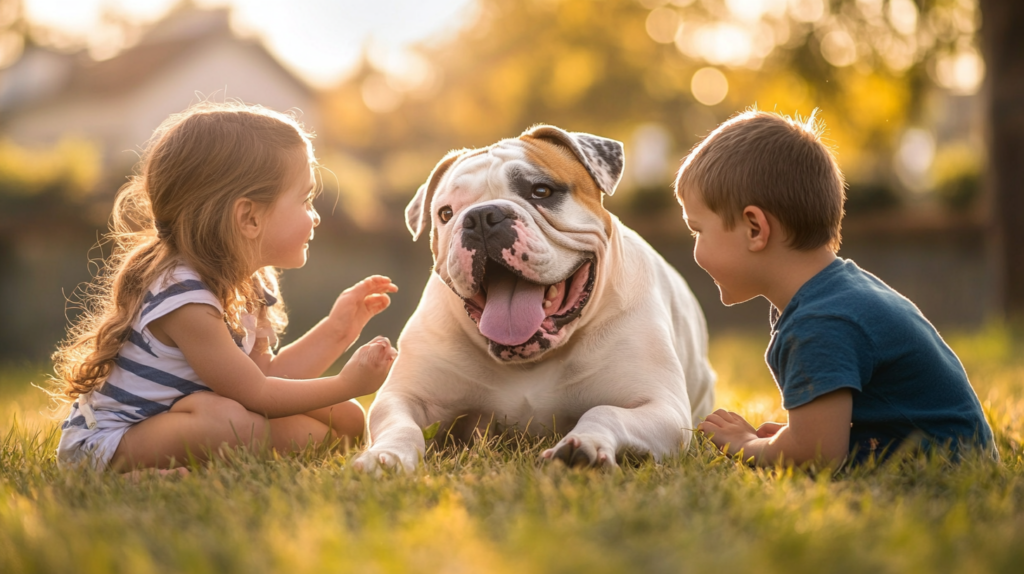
[722, 252]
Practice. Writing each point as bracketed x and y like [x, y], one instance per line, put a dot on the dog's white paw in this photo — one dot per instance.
[376, 461]
[579, 450]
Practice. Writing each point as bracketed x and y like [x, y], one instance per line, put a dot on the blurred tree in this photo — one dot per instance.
[1003, 48]
[69, 169]
[919, 41]
[13, 32]
[613, 67]
[579, 64]
[617, 67]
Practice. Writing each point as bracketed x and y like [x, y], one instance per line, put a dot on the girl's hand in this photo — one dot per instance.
[366, 371]
[359, 303]
[728, 430]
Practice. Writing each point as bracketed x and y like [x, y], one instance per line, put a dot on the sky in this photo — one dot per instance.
[321, 40]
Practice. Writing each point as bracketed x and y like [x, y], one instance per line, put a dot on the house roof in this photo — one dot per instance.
[129, 69]
[177, 37]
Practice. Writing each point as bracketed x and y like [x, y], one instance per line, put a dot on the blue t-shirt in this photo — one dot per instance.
[845, 328]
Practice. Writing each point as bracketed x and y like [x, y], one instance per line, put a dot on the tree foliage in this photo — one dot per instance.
[13, 31]
[615, 66]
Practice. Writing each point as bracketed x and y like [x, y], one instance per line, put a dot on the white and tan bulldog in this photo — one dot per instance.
[543, 312]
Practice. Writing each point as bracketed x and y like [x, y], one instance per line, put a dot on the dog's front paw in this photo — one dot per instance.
[583, 451]
[375, 461]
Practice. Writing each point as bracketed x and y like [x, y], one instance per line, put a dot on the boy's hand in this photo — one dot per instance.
[728, 429]
[769, 429]
[360, 302]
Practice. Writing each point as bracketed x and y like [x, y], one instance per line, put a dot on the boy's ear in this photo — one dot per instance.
[247, 218]
[758, 229]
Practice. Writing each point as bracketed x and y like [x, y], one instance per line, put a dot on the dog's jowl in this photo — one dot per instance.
[544, 312]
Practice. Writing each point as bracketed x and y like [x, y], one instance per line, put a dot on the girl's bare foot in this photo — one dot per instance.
[136, 475]
[365, 372]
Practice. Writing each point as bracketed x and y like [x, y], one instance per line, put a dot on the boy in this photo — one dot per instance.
[860, 370]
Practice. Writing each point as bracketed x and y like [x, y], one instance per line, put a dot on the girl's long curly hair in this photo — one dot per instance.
[178, 209]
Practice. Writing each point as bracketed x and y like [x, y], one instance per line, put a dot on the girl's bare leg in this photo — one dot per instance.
[200, 424]
[296, 432]
[347, 421]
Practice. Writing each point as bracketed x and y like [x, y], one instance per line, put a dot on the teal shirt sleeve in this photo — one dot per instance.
[821, 354]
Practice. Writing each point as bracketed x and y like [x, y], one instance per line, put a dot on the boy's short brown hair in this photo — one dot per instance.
[774, 162]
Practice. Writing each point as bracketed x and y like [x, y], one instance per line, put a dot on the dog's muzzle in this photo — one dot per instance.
[520, 315]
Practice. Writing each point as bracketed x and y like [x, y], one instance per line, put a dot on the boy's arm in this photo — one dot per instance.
[819, 429]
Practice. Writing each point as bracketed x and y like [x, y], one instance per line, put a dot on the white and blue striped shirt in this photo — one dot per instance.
[148, 377]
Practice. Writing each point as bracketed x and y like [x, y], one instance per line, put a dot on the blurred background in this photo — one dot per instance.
[923, 99]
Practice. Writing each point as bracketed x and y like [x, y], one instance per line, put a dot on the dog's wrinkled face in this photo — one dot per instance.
[519, 232]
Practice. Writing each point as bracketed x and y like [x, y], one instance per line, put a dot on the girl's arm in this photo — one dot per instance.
[199, 331]
[819, 430]
[312, 353]
[315, 351]
[261, 353]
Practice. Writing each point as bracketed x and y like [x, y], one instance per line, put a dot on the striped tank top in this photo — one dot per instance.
[148, 376]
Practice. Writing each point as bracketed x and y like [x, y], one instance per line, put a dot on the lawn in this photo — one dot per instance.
[494, 508]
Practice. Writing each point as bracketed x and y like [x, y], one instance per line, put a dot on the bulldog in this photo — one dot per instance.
[543, 312]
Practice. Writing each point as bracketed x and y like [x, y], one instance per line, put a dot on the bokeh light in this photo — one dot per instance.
[914, 158]
[960, 73]
[724, 44]
[651, 146]
[902, 15]
[807, 10]
[662, 24]
[839, 49]
[751, 10]
[709, 86]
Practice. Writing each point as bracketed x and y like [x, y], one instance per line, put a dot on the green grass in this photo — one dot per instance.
[493, 508]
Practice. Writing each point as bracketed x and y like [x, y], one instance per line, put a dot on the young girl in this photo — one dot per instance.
[173, 355]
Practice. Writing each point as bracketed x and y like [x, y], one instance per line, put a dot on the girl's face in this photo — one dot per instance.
[290, 222]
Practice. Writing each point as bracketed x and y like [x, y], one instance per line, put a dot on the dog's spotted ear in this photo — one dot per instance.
[604, 158]
[417, 213]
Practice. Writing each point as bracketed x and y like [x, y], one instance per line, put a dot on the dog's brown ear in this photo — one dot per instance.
[417, 213]
[604, 158]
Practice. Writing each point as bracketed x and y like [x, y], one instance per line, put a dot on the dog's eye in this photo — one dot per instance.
[445, 213]
[540, 192]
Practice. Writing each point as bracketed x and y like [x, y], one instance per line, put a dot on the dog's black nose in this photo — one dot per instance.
[483, 218]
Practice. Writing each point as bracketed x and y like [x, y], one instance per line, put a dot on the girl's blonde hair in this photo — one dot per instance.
[178, 208]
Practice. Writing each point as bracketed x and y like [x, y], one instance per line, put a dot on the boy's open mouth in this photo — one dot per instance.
[511, 311]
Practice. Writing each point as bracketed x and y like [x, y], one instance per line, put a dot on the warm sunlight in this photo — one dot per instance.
[490, 338]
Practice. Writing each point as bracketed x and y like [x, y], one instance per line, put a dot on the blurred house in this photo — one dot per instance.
[49, 98]
[190, 55]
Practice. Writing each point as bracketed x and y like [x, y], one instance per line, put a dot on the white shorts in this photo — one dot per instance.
[81, 446]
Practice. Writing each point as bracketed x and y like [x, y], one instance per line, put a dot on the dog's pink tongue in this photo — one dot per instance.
[514, 309]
